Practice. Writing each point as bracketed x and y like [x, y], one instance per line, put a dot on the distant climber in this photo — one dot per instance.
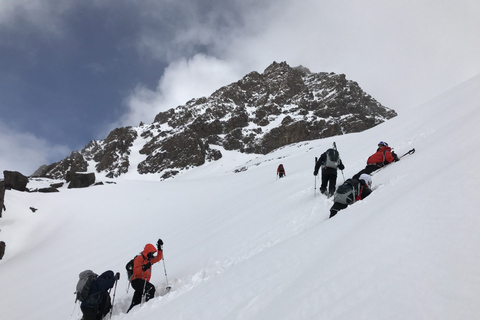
[330, 162]
[351, 191]
[281, 171]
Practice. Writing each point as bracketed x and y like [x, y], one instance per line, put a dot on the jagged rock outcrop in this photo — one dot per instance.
[257, 114]
[74, 163]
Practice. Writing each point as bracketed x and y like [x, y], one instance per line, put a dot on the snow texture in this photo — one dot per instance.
[247, 245]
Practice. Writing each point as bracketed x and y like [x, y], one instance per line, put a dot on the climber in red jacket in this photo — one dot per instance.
[382, 157]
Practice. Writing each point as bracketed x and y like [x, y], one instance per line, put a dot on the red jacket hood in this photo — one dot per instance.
[148, 248]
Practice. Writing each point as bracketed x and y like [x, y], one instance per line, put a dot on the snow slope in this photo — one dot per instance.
[248, 246]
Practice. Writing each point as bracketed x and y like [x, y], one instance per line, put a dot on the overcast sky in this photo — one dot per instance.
[71, 71]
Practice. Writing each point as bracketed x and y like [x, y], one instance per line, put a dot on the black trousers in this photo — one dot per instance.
[90, 313]
[138, 285]
[337, 206]
[331, 180]
[368, 170]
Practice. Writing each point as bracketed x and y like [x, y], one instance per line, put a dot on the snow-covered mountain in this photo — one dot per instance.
[257, 114]
[240, 244]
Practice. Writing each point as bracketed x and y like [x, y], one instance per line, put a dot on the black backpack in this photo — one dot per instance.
[129, 267]
[333, 159]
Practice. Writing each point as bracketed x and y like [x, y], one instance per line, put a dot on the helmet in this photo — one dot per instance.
[367, 178]
[382, 144]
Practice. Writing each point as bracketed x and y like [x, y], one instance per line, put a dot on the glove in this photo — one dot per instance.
[146, 266]
[159, 244]
[117, 276]
[315, 173]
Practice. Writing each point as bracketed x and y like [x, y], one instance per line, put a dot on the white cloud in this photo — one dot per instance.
[182, 80]
[25, 153]
[402, 52]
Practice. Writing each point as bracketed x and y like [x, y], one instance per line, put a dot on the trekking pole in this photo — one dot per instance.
[167, 288]
[113, 300]
[143, 291]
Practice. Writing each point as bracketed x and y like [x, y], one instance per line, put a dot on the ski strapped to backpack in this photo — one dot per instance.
[84, 284]
[335, 147]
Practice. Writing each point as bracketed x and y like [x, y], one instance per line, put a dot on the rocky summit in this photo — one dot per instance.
[257, 114]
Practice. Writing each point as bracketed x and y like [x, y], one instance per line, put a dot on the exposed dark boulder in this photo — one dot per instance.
[15, 180]
[48, 190]
[80, 180]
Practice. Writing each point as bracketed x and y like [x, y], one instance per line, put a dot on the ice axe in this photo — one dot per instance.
[409, 152]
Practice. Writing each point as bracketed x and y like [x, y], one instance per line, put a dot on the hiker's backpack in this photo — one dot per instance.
[333, 159]
[129, 268]
[84, 284]
[347, 192]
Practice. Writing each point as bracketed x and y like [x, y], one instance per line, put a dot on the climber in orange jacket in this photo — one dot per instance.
[142, 271]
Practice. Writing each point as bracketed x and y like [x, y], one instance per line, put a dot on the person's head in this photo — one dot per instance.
[382, 144]
[107, 275]
[149, 250]
[367, 179]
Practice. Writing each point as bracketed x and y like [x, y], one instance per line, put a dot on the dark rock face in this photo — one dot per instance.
[113, 154]
[257, 114]
[2, 249]
[2, 197]
[80, 180]
[15, 180]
